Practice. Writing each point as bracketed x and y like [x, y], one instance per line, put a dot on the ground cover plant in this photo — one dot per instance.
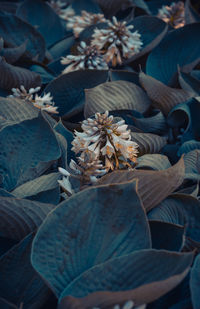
[99, 154]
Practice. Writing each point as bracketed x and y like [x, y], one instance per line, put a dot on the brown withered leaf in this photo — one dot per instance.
[162, 96]
[153, 186]
[13, 76]
[148, 143]
[115, 95]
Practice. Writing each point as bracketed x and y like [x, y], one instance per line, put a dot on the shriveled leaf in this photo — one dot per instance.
[19, 281]
[115, 95]
[113, 224]
[15, 32]
[195, 282]
[166, 236]
[23, 146]
[39, 14]
[152, 31]
[153, 161]
[68, 89]
[180, 209]
[163, 61]
[141, 276]
[13, 77]
[163, 97]
[148, 143]
[153, 186]
[19, 217]
[43, 189]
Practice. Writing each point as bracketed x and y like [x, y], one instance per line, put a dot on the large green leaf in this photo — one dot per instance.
[23, 146]
[88, 229]
[115, 95]
[41, 15]
[19, 217]
[141, 276]
[68, 89]
[163, 61]
[15, 31]
[19, 281]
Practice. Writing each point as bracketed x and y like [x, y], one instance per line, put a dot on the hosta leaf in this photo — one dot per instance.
[185, 117]
[16, 110]
[195, 282]
[141, 276]
[5, 193]
[115, 95]
[11, 55]
[192, 165]
[40, 189]
[124, 75]
[163, 97]
[180, 209]
[19, 281]
[87, 5]
[46, 75]
[34, 139]
[34, 11]
[111, 7]
[152, 31]
[112, 225]
[6, 244]
[166, 235]
[68, 89]
[148, 143]
[14, 77]
[189, 146]
[23, 30]
[19, 217]
[189, 83]
[155, 124]
[163, 61]
[153, 186]
[62, 47]
[191, 15]
[153, 161]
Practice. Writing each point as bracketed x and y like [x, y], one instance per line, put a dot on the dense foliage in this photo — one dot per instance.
[131, 237]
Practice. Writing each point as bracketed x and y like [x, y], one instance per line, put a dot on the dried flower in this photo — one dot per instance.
[108, 140]
[63, 10]
[128, 305]
[79, 23]
[117, 41]
[173, 14]
[44, 103]
[89, 58]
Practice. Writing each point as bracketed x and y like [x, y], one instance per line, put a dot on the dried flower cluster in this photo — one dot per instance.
[79, 23]
[89, 58]
[110, 141]
[173, 14]
[43, 103]
[117, 41]
[128, 305]
[64, 11]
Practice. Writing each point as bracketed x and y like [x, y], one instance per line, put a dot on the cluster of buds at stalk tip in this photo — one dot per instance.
[62, 9]
[79, 23]
[174, 15]
[110, 141]
[42, 102]
[104, 144]
[117, 42]
[89, 58]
